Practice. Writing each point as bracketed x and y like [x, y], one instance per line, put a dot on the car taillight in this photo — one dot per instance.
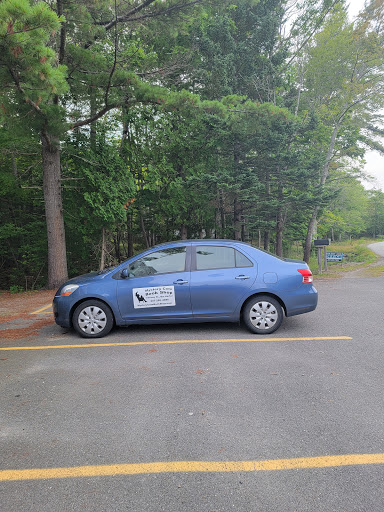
[307, 275]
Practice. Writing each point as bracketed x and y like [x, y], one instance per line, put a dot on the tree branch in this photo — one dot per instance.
[97, 116]
[114, 62]
[347, 108]
[165, 11]
[63, 32]
[126, 17]
[309, 36]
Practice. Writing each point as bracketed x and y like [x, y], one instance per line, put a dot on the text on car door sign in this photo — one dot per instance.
[153, 297]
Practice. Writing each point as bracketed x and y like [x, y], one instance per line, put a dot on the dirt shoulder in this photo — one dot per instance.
[12, 305]
[16, 320]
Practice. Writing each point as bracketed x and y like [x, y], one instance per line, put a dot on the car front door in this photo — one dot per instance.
[157, 286]
[221, 277]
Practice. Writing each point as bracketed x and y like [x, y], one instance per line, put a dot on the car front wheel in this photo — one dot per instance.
[92, 319]
[263, 314]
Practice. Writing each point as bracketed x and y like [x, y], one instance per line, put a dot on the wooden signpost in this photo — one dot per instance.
[321, 243]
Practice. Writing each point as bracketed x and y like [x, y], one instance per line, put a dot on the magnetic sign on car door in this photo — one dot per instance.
[154, 297]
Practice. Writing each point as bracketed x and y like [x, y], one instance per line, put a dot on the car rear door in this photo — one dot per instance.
[221, 277]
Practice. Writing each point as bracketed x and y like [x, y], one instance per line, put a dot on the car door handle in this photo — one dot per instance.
[180, 281]
[242, 277]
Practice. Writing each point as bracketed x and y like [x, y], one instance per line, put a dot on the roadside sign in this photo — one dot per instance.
[335, 256]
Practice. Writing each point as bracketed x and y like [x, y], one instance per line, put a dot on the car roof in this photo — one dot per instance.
[202, 241]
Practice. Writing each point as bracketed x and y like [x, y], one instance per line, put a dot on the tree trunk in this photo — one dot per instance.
[14, 167]
[93, 110]
[117, 244]
[300, 86]
[183, 232]
[281, 220]
[57, 257]
[279, 233]
[236, 220]
[237, 210]
[266, 240]
[310, 230]
[267, 236]
[222, 214]
[143, 230]
[129, 234]
[103, 250]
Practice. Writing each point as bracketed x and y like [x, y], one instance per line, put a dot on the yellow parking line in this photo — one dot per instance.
[176, 342]
[41, 309]
[193, 467]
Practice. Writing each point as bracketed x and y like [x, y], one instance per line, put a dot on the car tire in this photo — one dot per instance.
[262, 314]
[92, 319]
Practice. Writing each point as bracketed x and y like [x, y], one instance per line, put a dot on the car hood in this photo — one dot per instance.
[83, 279]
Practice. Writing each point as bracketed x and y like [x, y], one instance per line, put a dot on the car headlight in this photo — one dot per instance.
[67, 290]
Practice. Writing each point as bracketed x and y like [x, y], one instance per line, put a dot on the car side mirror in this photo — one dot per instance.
[124, 273]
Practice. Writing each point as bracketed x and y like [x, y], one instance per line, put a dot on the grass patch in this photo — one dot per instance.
[375, 271]
[356, 256]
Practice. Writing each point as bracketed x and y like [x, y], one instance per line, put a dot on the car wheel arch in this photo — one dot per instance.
[85, 299]
[263, 293]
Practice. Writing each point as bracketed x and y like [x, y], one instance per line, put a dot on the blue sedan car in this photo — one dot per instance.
[188, 281]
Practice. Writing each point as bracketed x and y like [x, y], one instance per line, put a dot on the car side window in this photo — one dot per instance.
[242, 261]
[159, 262]
[214, 256]
[210, 257]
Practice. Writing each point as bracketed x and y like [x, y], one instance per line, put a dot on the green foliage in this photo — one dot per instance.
[208, 124]
[29, 73]
[348, 213]
[15, 288]
[22, 233]
[237, 50]
[107, 183]
[374, 214]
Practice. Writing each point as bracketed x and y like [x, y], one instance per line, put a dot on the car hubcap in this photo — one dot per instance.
[263, 315]
[92, 320]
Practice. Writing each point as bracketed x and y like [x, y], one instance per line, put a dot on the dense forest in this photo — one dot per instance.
[125, 123]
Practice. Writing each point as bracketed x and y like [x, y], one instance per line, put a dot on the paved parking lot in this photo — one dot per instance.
[200, 417]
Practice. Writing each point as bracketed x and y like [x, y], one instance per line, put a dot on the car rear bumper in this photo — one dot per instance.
[302, 301]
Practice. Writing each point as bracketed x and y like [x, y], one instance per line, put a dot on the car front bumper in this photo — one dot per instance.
[62, 311]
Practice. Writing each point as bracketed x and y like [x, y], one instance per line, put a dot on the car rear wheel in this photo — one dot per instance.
[263, 314]
[92, 319]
